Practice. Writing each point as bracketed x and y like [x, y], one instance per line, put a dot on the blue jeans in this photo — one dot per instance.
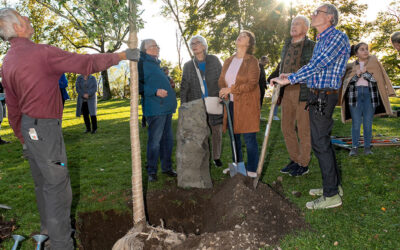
[362, 112]
[250, 140]
[160, 143]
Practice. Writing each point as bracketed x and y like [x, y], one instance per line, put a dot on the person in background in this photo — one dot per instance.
[30, 74]
[323, 75]
[395, 39]
[210, 70]
[86, 104]
[160, 103]
[295, 124]
[63, 83]
[2, 110]
[166, 71]
[262, 82]
[239, 82]
[365, 92]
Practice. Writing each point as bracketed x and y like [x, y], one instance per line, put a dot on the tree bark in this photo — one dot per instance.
[139, 217]
[106, 86]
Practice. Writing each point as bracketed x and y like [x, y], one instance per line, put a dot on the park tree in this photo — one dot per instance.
[221, 20]
[139, 217]
[385, 24]
[224, 19]
[186, 15]
[99, 25]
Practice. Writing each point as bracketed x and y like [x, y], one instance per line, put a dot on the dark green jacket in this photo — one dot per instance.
[306, 55]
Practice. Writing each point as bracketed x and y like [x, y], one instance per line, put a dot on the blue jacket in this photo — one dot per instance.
[154, 78]
[63, 83]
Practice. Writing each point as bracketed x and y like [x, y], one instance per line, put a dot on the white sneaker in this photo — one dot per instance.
[275, 118]
[320, 191]
[252, 174]
[225, 171]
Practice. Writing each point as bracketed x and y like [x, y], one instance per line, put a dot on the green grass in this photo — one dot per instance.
[100, 169]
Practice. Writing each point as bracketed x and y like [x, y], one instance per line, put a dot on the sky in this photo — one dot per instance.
[163, 29]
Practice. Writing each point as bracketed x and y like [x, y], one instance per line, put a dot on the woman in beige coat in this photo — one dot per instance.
[365, 92]
[239, 82]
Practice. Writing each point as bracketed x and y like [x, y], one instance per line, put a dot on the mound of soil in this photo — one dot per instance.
[231, 215]
[6, 228]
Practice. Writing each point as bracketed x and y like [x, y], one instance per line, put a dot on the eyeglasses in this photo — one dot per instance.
[195, 43]
[316, 12]
[154, 46]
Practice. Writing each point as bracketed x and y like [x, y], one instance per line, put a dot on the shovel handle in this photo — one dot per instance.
[275, 95]
[230, 126]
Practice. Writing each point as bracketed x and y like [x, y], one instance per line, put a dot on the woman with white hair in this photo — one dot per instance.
[193, 88]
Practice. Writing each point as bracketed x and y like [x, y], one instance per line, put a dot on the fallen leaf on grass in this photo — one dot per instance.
[383, 209]
[376, 236]
[336, 243]
[102, 199]
[19, 186]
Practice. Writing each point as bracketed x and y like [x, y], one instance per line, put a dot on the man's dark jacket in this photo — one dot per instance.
[306, 54]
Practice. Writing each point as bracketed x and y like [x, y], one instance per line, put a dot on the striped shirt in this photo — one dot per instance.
[328, 63]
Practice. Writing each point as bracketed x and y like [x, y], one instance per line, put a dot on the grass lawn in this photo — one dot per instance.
[100, 169]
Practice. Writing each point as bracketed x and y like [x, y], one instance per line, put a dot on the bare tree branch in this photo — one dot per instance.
[76, 45]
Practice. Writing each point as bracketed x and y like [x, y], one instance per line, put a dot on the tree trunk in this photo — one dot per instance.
[139, 217]
[106, 86]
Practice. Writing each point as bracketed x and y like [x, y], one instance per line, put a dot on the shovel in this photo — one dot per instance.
[17, 238]
[39, 238]
[275, 95]
[4, 206]
[234, 167]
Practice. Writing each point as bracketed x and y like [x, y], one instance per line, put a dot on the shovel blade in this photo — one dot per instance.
[241, 168]
[233, 169]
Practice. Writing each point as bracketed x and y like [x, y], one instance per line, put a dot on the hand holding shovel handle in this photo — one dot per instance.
[275, 95]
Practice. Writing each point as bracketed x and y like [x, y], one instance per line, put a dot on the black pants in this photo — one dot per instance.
[93, 118]
[262, 93]
[321, 127]
[45, 151]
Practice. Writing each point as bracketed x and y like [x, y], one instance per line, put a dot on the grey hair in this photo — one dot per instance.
[144, 44]
[305, 20]
[200, 39]
[7, 18]
[395, 37]
[332, 10]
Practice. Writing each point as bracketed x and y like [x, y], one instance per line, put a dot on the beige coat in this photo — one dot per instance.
[385, 87]
[246, 92]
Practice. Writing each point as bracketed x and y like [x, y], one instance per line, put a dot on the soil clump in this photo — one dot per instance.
[6, 228]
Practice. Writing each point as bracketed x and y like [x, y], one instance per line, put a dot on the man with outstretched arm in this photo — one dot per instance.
[323, 76]
[30, 78]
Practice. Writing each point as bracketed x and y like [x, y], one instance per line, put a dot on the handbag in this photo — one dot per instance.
[213, 104]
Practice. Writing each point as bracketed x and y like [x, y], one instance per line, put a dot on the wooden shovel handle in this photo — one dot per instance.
[275, 95]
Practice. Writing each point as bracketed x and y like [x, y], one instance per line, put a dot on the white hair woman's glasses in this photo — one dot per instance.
[195, 43]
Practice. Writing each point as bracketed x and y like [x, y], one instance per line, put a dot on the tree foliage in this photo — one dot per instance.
[220, 21]
[100, 25]
[385, 24]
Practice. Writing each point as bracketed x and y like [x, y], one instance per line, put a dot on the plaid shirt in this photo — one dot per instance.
[373, 89]
[328, 63]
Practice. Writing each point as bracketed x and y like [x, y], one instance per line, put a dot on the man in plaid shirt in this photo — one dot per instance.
[323, 76]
